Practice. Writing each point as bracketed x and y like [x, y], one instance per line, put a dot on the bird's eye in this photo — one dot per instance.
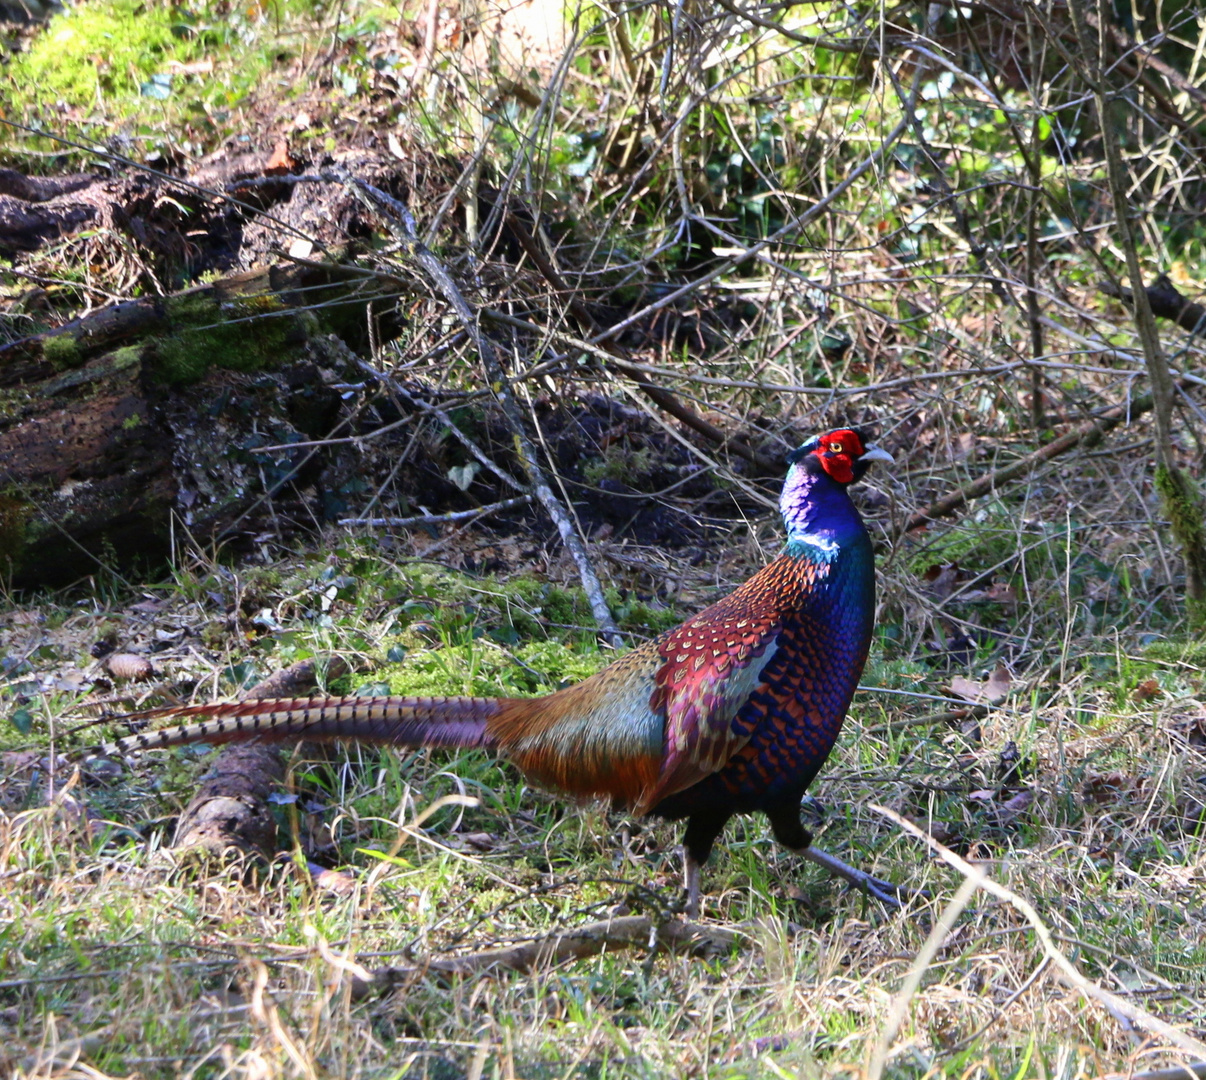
[835, 448]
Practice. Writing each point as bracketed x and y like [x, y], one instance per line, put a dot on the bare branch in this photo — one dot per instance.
[609, 935]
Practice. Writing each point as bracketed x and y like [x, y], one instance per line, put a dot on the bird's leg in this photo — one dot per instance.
[697, 846]
[691, 874]
[790, 832]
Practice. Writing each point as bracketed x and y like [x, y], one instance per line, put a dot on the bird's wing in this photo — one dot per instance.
[712, 664]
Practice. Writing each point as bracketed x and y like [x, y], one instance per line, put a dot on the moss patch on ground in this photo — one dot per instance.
[95, 52]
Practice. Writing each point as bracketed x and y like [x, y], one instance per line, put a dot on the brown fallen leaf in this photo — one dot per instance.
[281, 160]
[16, 761]
[1111, 786]
[1015, 806]
[482, 841]
[1146, 690]
[941, 579]
[990, 691]
[333, 881]
[197, 67]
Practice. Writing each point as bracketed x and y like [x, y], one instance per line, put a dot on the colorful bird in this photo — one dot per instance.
[733, 711]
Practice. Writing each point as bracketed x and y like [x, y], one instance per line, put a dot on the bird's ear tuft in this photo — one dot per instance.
[803, 450]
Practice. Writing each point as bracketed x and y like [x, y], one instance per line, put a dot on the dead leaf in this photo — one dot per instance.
[333, 881]
[281, 161]
[963, 445]
[1002, 592]
[1146, 690]
[941, 579]
[991, 691]
[197, 67]
[1107, 787]
[483, 841]
[149, 606]
[1019, 804]
[72, 682]
[15, 761]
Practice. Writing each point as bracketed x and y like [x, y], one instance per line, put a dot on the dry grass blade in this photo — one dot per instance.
[1119, 1006]
[881, 1051]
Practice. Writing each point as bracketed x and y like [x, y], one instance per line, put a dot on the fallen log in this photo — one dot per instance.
[113, 423]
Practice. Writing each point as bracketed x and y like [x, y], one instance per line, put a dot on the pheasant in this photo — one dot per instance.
[732, 712]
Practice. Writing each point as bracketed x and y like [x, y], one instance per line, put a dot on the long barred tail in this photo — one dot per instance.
[399, 721]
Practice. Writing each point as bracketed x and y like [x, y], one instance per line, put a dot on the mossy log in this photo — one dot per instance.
[115, 424]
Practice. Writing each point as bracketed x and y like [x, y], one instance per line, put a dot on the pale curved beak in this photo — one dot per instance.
[871, 452]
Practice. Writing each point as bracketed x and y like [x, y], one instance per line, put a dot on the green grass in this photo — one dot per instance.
[175, 73]
[109, 933]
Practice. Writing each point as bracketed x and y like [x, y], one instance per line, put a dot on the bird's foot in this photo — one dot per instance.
[691, 873]
[884, 891]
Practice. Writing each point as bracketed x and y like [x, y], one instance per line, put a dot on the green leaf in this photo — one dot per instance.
[158, 87]
[22, 720]
[242, 675]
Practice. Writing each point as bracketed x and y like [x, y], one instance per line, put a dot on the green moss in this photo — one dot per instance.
[621, 463]
[206, 334]
[1183, 505]
[482, 669]
[1191, 652]
[638, 616]
[62, 351]
[567, 607]
[95, 51]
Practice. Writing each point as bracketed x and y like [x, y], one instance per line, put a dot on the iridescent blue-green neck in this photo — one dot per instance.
[820, 518]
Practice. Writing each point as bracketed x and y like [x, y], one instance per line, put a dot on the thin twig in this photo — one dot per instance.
[1088, 434]
[1191, 1070]
[402, 226]
[436, 519]
[609, 356]
[625, 932]
[795, 224]
[1117, 1005]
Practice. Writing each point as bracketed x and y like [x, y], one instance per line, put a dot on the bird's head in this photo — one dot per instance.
[843, 455]
[810, 514]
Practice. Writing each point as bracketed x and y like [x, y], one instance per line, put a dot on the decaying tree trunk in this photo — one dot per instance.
[230, 810]
[114, 423]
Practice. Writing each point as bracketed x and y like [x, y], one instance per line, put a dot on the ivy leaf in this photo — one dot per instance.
[462, 475]
[22, 720]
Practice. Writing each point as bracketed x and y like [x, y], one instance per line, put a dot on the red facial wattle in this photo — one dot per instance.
[838, 451]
